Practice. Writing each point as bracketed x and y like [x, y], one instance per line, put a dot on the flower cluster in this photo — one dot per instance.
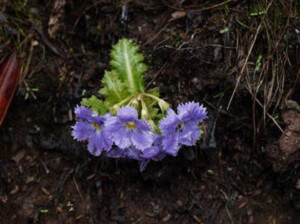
[131, 121]
[126, 136]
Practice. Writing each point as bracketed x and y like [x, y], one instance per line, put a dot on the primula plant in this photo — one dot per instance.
[131, 121]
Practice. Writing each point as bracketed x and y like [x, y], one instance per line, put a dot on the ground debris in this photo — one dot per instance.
[55, 20]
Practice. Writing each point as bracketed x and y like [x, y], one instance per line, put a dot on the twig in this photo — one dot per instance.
[226, 208]
[156, 74]
[247, 58]
[157, 34]
[229, 214]
[170, 6]
[214, 6]
[269, 115]
[77, 187]
[45, 167]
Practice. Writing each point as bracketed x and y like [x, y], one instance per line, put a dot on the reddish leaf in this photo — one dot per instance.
[9, 79]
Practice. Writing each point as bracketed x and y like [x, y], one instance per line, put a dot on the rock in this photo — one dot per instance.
[287, 150]
[167, 218]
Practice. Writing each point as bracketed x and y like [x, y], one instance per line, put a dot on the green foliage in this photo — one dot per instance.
[258, 63]
[225, 30]
[127, 62]
[154, 92]
[124, 86]
[258, 9]
[95, 104]
[150, 102]
[114, 90]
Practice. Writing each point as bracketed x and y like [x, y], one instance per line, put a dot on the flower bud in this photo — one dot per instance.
[114, 109]
[163, 105]
[144, 114]
[144, 111]
[134, 103]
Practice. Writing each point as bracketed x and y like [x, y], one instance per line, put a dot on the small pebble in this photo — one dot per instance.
[210, 172]
[167, 218]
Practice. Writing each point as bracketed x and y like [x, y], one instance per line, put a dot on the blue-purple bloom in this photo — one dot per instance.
[182, 128]
[127, 136]
[155, 151]
[83, 113]
[91, 128]
[132, 153]
[116, 153]
[128, 153]
[126, 130]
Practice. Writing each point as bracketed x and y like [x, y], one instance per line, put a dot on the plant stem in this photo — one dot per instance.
[151, 96]
[116, 106]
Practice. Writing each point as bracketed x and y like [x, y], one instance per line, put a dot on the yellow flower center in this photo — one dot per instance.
[97, 126]
[179, 126]
[131, 125]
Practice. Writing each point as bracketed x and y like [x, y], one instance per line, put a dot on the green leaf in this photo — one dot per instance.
[225, 30]
[153, 112]
[154, 91]
[95, 104]
[127, 62]
[113, 89]
[258, 13]
[150, 102]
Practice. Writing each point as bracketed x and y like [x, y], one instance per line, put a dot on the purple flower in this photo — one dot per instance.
[182, 128]
[133, 138]
[189, 133]
[128, 153]
[169, 127]
[155, 151]
[91, 128]
[191, 111]
[116, 153]
[82, 112]
[143, 162]
[127, 130]
[132, 153]
[82, 130]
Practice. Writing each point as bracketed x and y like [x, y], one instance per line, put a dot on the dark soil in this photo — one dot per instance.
[196, 50]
